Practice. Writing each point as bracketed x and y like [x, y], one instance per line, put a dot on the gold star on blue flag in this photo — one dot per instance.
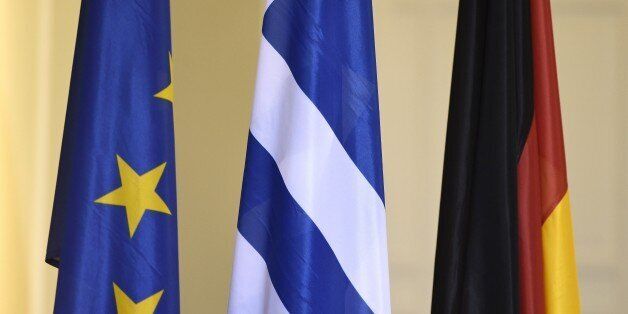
[113, 233]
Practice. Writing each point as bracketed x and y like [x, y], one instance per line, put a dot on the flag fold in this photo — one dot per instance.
[505, 241]
[113, 233]
[311, 227]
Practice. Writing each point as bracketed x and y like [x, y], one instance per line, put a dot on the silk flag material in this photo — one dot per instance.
[543, 192]
[113, 233]
[505, 241]
[311, 228]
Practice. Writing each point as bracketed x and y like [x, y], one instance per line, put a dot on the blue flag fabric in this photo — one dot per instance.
[311, 234]
[113, 233]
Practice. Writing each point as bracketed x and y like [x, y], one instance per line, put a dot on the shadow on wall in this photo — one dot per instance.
[215, 47]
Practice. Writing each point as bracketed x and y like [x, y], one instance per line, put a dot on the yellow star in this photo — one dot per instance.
[125, 305]
[168, 92]
[137, 193]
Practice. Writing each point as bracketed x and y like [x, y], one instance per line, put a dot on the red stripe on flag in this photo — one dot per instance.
[547, 109]
[542, 175]
[531, 293]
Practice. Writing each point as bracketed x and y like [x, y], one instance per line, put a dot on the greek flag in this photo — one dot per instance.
[311, 228]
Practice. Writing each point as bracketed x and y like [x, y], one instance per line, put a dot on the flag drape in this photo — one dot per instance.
[476, 268]
[505, 242]
[113, 233]
[311, 228]
[559, 263]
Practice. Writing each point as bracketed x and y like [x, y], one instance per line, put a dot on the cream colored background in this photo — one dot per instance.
[215, 45]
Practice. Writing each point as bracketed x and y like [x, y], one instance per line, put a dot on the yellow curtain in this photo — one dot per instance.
[34, 79]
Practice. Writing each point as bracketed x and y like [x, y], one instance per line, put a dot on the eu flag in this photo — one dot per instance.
[113, 233]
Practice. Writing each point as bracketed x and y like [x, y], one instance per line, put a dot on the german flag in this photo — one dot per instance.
[505, 239]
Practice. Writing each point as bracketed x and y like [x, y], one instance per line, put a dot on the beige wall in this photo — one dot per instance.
[36, 44]
[592, 47]
[215, 51]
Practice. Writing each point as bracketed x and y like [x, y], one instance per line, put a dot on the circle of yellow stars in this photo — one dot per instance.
[137, 194]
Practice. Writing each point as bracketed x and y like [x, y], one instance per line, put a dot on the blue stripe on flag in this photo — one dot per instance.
[301, 264]
[329, 47]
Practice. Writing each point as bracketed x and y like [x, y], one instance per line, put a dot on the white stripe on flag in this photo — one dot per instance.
[322, 178]
[251, 288]
[268, 3]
